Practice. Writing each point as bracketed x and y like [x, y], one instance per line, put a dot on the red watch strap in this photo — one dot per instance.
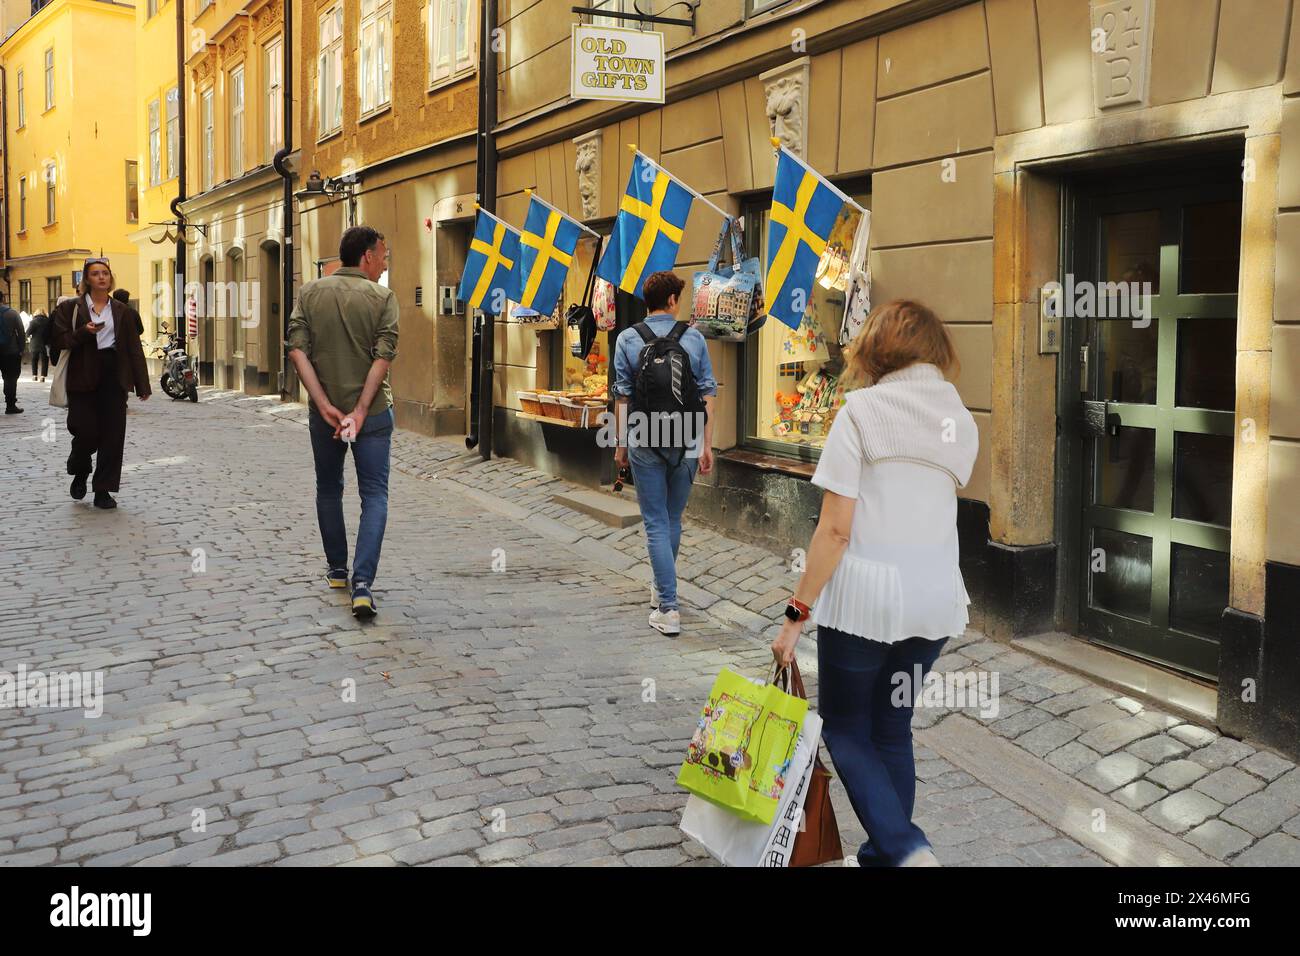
[803, 609]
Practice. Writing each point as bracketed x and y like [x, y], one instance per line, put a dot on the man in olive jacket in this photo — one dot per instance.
[342, 338]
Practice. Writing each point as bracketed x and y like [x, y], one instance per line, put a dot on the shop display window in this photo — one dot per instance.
[796, 376]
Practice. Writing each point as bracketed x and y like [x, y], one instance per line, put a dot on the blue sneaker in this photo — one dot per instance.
[337, 578]
[363, 602]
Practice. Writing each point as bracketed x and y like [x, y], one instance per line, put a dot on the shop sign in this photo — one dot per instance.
[613, 63]
[1121, 52]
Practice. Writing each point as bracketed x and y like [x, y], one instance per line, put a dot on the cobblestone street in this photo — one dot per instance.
[510, 703]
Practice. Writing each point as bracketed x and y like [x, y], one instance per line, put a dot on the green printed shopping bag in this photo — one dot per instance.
[740, 754]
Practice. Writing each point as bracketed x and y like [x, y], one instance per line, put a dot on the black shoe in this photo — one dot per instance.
[363, 602]
[104, 500]
[78, 489]
[13, 410]
[337, 578]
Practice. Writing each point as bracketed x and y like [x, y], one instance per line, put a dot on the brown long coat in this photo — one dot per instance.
[69, 330]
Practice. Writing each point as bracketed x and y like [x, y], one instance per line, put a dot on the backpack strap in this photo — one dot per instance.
[677, 331]
[647, 334]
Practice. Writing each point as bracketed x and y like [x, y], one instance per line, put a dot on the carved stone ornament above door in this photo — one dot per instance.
[587, 166]
[785, 90]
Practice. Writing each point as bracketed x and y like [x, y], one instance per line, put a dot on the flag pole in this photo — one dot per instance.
[588, 231]
[776, 143]
[720, 212]
[496, 219]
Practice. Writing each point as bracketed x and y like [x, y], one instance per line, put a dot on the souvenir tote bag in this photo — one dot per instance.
[734, 841]
[857, 301]
[724, 301]
[742, 750]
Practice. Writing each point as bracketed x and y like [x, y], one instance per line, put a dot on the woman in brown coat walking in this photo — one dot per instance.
[105, 361]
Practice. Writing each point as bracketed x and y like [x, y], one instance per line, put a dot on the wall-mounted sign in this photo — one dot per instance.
[1121, 52]
[612, 63]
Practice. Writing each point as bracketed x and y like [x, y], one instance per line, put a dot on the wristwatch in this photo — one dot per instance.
[796, 610]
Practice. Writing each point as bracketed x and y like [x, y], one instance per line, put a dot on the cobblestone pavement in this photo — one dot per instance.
[525, 715]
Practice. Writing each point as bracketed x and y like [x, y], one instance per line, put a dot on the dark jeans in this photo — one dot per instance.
[11, 366]
[97, 421]
[40, 359]
[370, 455]
[869, 738]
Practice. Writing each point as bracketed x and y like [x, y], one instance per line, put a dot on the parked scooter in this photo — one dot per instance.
[179, 379]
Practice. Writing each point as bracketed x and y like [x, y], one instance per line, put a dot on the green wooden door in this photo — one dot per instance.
[1157, 397]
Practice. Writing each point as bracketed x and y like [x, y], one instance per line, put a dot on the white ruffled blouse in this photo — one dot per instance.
[901, 448]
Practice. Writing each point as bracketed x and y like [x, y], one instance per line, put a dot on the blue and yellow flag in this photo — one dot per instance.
[804, 209]
[491, 276]
[648, 229]
[546, 252]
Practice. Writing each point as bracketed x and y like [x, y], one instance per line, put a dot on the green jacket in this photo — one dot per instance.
[342, 323]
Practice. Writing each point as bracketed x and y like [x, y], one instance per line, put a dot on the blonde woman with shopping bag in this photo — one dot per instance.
[882, 581]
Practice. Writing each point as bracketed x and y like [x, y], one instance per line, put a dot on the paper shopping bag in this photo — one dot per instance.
[735, 841]
[741, 753]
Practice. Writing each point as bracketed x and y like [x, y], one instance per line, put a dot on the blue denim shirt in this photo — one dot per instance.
[628, 349]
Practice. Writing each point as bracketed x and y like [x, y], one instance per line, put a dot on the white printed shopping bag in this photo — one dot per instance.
[735, 841]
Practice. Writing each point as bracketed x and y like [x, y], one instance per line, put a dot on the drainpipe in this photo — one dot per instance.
[487, 197]
[286, 253]
[181, 321]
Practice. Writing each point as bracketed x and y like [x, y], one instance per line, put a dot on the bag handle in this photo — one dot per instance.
[788, 679]
[737, 252]
[590, 290]
[717, 246]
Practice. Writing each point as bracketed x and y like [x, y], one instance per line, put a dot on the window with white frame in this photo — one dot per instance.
[235, 97]
[376, 77]
[329, 72]
[22, 102]
[452, 37]
[132, 191]
[273, 108]
[25, 295]
[209, 140]
[49, 78]
[616, 6]
[173, 132]
[155, 142]
[50, 208]
[22, 203]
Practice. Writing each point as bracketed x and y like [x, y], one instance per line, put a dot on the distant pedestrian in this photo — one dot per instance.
[38, 341]
[882, 569]
[342, 338]
[13, 340]
[105, 361]
[123, 296]
[663, 470]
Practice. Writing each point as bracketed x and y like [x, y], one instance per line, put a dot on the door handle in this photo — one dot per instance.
[1096, 420]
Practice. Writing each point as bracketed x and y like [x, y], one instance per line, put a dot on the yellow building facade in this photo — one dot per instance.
[72, 158]
[157, 126]
[235, 124]
[391, 115]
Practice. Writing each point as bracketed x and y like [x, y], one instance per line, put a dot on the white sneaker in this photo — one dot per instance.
[669, 622]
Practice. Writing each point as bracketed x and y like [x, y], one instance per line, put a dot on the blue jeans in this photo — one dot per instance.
[661, 491]
[370, 455]
[869, 738]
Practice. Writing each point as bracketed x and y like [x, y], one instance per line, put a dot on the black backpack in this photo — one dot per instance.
[664, 387]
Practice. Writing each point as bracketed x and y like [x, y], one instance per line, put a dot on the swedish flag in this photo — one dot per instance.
[648, 229]
[491, 274]
[804, 209]
[545, 255]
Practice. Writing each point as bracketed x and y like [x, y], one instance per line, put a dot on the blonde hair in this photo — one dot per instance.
[898, 334]
[83, 287]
